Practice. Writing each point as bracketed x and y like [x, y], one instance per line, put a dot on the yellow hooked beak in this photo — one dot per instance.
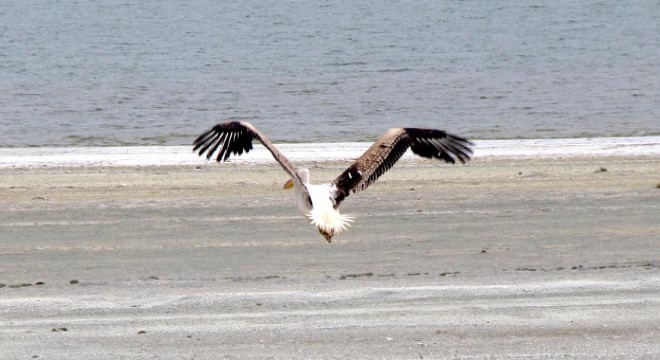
[288, 184]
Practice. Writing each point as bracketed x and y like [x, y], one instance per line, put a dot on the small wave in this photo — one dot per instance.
[394, 70]
[350, 63]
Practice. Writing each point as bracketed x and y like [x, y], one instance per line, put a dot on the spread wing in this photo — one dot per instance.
[388, 149]
[234, 138]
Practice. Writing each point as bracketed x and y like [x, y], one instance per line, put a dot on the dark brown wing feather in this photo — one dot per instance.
[432, 143]
[389, 148]
[234, 138]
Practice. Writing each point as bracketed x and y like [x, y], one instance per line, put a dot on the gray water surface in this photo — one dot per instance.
[118, 72]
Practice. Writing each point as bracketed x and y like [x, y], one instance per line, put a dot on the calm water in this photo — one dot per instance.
[118, 72]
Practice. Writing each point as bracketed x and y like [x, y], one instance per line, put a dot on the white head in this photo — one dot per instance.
[304, 176]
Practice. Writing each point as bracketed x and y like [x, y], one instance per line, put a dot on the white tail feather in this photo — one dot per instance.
[330, 221]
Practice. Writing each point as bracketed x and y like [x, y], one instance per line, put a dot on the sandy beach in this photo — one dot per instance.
[504, 258]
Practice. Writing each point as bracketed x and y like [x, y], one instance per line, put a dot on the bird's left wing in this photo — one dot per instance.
[389, 148]
[234, 138]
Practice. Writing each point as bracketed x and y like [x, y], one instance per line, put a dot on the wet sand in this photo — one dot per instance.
[524, 259]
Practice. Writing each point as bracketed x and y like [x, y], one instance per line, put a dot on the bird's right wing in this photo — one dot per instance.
[389, 148]
[234, 138]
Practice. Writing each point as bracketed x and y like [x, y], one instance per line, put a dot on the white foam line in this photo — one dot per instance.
[183, 155]
[625, 146]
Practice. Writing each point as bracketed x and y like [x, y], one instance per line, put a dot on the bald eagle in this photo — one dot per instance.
[320, 203]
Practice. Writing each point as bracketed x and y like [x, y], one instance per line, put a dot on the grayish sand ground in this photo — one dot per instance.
[522, 259]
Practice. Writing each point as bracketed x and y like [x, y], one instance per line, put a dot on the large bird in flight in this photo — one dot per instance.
[320, 203]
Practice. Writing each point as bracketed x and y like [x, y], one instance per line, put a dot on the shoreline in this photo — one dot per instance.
[320, 152]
